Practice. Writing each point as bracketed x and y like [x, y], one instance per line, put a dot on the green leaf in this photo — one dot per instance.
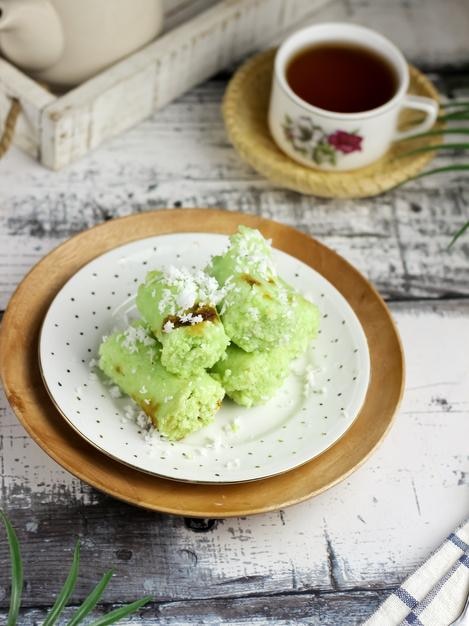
[435, 148]
[306, 133]
[67, 589]
[455, 104]
[16, 571]
[317, 154]
[437, 170]
[458, 234]
[117, 614]
[440, 170]
[442, 131]
[463, 114]
[91, 600]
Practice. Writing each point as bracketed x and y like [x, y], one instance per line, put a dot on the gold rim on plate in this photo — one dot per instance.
[245, 107]
[29, 399]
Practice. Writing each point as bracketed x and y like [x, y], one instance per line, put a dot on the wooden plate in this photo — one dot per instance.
[31, 403]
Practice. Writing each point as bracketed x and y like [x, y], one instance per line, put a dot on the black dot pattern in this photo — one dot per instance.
[304, 423]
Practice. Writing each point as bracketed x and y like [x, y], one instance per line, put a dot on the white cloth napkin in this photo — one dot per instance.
[435, 594]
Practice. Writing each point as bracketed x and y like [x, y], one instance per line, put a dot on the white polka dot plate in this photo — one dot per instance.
[315, 407]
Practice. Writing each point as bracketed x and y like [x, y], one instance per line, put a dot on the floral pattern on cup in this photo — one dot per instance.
[313, 142]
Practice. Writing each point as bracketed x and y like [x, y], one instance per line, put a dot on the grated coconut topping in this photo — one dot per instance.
[133, 335]
[182, 290]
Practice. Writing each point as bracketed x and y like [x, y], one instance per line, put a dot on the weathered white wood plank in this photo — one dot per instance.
[332, 609]
[181, 156]
[177, 12]
[368, 532]
[430, 33]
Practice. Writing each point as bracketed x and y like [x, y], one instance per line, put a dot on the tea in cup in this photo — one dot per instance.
[336, 96]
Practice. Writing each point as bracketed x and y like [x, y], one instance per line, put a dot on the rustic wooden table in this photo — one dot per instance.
[333, 559]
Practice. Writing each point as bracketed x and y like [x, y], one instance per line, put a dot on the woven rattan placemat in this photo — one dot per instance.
[245, 107]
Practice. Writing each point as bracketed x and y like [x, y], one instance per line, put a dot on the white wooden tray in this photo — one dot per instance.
[201, 37]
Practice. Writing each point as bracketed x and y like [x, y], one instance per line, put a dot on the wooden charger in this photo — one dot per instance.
[27, 395]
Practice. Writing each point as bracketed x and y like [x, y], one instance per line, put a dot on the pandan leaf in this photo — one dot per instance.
[459, 110]
[434, 148]
[66, 590]
[437, 170]
[458, 234]
[91, 600]
[455, 104]
[16, 571]
[117, 614]
[442, 131]
[462, 114]
[440, 170]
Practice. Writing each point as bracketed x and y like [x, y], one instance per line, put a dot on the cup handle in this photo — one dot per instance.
[428, 105]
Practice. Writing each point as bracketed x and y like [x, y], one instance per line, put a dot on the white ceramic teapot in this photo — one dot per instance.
[65, 42]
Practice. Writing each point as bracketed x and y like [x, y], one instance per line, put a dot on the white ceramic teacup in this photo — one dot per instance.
[340, 141]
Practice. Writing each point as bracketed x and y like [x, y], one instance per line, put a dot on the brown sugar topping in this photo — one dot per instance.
[206, 312]
[250, 280]
[151, 410]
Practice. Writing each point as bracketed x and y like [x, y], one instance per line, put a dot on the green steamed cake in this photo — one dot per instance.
[258, 309]
[305, 327]
[180, 308]
[251, 378]
[193, 316]
[248, 253]
[177, 406]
